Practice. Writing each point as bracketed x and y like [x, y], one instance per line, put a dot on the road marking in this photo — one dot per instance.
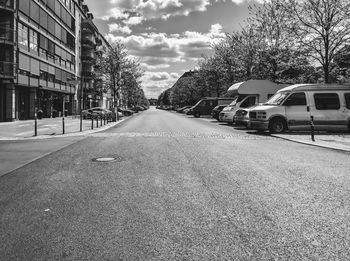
[183, 134]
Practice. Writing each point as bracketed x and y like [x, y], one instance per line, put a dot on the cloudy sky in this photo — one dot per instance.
[167, 36]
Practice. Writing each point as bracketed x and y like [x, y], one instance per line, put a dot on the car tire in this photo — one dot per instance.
[277, 125]
[197, 114]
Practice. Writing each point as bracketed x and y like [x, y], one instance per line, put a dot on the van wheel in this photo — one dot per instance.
[277, 125]
[197, 114]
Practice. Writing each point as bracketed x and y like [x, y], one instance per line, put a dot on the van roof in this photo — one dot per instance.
[315, 87]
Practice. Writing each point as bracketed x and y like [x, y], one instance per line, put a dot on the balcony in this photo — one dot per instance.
[6, 35]
[7, 5]
[88, 24]
[88, 40]
[88, 56]
[7, 69]
[88, 75]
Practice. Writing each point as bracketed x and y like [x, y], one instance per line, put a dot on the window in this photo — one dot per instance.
[249, 102]
[34, 12]
[57, 8]
[24, 6]
[43, 42]
[23, 36]
[347, 100]
[51, 25]
[58, 31]
[296, 99]
[50, 77]
[327, 101]
[51, 47]
[43, 75]
[33, 41]
[24, 62]
[43, 19]
[34, 67]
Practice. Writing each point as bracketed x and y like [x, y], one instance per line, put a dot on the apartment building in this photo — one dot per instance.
[47, 53]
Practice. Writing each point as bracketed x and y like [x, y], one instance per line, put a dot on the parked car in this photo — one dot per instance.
[125, 112]
[181, 110]
[293, 108]
[96, 112]
[216, 111]
[241, 117]
[206, 105]
[187, 110]
[247, 94]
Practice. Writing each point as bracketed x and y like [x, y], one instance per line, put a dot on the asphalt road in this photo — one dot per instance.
[180, 189]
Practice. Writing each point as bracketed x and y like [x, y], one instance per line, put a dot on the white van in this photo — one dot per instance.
[292, 108]
[248, 94]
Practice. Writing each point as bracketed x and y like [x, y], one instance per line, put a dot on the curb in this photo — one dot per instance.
[73, 134]
[311, 144]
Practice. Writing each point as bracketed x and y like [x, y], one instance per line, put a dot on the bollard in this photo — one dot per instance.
[312, 128]
[35, 126]
[96, 121]
[63, 130]
[101, 121]
[104, 120]
[92, 123]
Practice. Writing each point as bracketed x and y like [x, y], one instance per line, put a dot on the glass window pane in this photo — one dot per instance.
[296, 99]
[347, 100]
[327, 101]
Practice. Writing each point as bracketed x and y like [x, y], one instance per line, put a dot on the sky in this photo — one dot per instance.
[167, 37]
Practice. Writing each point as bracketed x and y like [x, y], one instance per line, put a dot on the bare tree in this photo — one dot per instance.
[322, 27]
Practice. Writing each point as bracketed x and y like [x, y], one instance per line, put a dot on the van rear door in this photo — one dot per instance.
[297, 111]
[329, 111]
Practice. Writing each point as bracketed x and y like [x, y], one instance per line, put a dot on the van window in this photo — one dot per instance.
[347, 100]
[249, 102]
[296, 99]
[327, 101]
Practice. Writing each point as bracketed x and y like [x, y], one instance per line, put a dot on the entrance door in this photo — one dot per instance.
[23, 104]
[297, 111]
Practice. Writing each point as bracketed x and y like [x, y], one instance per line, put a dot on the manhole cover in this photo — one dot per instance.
[107, 159]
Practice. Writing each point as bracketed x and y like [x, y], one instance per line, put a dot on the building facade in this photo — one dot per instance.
[47, 53]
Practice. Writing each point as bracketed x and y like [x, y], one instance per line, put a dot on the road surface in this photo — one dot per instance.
[180, 188]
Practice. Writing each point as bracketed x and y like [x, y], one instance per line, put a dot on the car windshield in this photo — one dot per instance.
[233, 103]
[277, 99]
[238, 98]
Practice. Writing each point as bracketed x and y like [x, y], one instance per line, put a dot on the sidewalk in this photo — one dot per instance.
[49, 127]
[336, 141]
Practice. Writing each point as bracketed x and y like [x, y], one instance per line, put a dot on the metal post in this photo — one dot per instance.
[81, 104]
[35, 117]
[101, 121]
[312, 128]
[92, 123]
[96, 121]
[63, 108]
[35, 126]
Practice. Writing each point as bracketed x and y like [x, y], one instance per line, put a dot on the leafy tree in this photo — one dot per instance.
[122, 75]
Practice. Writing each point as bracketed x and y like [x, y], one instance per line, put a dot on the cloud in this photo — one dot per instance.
[159, 48]
[115, 13]
[148, 67]
[160, 51]
[156, 82]
[133, 20]
[119, 29]
[158, 9]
